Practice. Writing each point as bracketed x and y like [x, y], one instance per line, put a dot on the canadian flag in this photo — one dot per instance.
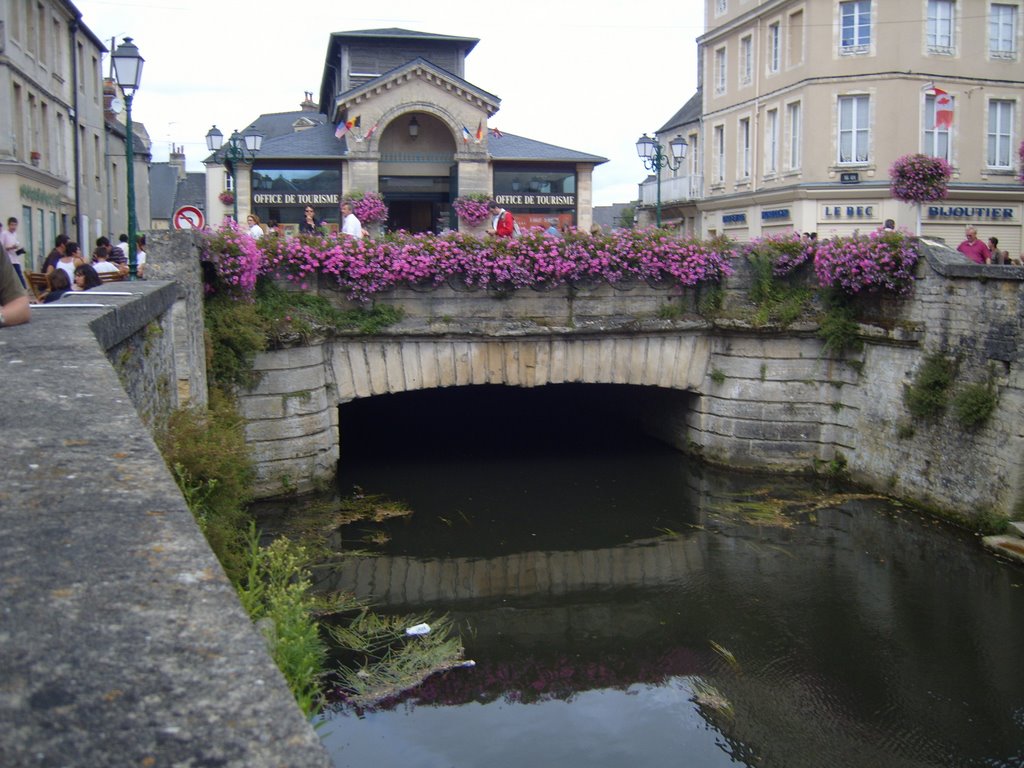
[943, 109]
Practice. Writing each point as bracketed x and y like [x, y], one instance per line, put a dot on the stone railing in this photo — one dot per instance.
[122, 641]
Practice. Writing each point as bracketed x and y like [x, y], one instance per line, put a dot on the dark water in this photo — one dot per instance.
[627, 608]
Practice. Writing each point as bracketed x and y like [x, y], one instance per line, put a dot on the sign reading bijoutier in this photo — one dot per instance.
[294, 198]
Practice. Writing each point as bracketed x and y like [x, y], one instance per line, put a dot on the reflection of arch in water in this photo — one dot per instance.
[398, 581]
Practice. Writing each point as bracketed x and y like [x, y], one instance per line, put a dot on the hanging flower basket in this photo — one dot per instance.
[369, 208]
[471, 209]
[919, 178]
[227, 197]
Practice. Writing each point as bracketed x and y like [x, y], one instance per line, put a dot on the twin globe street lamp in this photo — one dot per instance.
[240, 148]
[128, 73]
[655, 158]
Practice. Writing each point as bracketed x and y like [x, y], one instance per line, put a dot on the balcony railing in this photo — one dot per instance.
[675, 190]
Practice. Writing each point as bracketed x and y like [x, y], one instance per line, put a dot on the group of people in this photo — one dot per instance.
[350, 225]
[66, 267]
[982, 253]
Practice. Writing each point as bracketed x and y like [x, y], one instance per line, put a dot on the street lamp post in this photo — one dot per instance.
[655, 158]
[128, 72]
[240, 148]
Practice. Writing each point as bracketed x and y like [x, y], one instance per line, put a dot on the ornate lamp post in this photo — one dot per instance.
[240, 148]
[128, 72]
[655, 158]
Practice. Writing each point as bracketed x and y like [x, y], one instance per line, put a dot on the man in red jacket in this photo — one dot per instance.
[502, 222]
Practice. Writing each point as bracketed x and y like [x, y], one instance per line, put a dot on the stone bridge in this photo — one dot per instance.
[757, 397]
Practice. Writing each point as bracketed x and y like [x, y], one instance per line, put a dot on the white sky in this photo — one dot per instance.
[588, 76]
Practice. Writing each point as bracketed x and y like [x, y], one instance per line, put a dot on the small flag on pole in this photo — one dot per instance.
[496, 133]
[466, 135]
[943, 109]
[345, 126]
[372, 130]
[479, 131]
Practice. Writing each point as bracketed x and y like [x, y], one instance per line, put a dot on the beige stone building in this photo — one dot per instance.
[807, 103]
[417, 132]
[62, 165]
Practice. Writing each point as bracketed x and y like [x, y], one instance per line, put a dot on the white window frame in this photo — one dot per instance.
[858, 108]
[934, 139]
[746, 59]
[794, 120]
[771, 142]
[860, 27]
[228, 182]
[1002, 31]
[718, 153]
[790, 37]
[999, 144]
[720, 70]
[940, 30]
[743, 149]
[774, 47]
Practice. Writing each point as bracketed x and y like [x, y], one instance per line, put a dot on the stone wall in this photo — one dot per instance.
[122, 641]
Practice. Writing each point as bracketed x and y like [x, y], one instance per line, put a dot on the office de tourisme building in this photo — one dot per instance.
[803, 105]
[414, 130]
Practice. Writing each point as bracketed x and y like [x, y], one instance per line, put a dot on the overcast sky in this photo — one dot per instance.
[588, 76]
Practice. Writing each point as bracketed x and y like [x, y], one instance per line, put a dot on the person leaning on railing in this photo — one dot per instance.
[14, 309]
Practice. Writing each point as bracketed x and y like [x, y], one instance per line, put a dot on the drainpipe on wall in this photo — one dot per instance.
[72, 38]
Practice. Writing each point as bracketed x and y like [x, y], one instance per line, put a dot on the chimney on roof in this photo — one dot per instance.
[308, 105]
[109, 93]
[176, 159]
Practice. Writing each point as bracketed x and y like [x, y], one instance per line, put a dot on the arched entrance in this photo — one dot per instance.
[418, 173]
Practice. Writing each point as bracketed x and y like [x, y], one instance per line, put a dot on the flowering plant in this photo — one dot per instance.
[471, 209]
[369, 208]
[227, 197]
[919, 178]
[879, 261]
[784, 252]
[236, 256]
[367, 267]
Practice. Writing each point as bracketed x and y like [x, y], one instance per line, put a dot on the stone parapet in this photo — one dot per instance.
[122, 641]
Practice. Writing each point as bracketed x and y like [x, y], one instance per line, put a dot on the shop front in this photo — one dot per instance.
[948, 220]
[538, 195]
[280, 195]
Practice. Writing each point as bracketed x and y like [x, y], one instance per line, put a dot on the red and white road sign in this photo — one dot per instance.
[188, 217]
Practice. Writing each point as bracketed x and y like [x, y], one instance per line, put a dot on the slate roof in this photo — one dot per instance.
[167, 192]
[407, 34]
[281, 140]
[163, 185]
[312, 143]
[689, 113]
[508, 146]
[280, 123]
[191, 191]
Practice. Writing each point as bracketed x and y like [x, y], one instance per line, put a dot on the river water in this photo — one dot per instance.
[628, 607]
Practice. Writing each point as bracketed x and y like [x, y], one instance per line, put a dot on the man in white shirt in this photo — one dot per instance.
[13, 249]
[349, 223]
